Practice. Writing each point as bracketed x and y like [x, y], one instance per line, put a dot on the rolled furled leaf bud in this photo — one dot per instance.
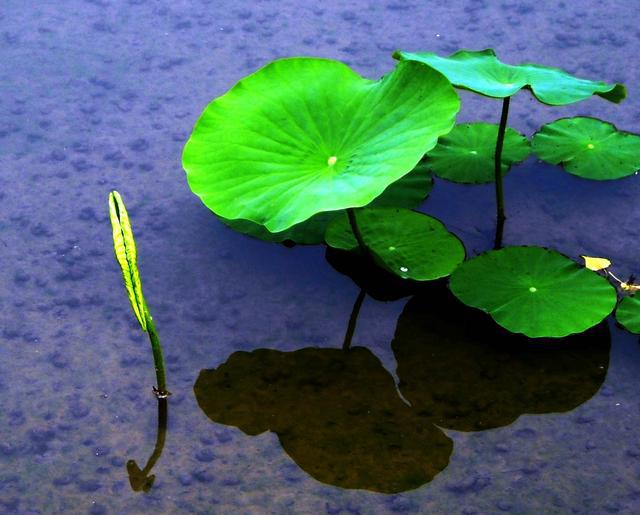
[124, 247]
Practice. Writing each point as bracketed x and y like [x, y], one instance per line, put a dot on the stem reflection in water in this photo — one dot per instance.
[139, 479]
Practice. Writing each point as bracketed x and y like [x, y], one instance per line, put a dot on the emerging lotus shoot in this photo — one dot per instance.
[124, 247]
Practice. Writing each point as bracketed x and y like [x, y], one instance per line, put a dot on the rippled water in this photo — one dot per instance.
[432, 411]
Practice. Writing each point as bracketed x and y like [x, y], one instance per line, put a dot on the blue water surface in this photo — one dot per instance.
[102, 94]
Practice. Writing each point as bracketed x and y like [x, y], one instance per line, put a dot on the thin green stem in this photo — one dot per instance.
[500, 214]
[346, 345]
[356, 232]
[161, 391]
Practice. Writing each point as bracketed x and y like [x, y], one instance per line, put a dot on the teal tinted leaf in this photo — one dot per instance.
[409, 192]
[302, 136]
[467, 153]
[408, 244]
[124, 247]
[534, 291]
[588, 148]
[628, 314]
[482, 72]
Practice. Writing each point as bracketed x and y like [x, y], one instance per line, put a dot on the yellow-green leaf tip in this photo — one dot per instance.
[124, 248]
[596, 263]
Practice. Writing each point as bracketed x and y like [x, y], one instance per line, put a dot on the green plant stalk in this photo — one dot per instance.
[351, 214]
[158, 359]
[500, 214]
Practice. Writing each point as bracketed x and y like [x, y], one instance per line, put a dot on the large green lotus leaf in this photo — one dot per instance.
[409, 192]
[589, 148]
[409, 244]
[309, 232]
[337, 414]
[534, 291]
[301, 136]
[628, 314]
[482, 72]
[467, 153]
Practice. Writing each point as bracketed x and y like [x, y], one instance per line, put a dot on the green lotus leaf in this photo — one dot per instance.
[409, 192]
[628, 314]
[482, 72]
[409, 244]
[467, 153]
[302, 136]
[588, 148]
[534, 291]
[309, 232]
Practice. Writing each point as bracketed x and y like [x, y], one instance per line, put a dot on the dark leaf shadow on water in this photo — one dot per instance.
[464, 372]
[140, 479]
[338, 414]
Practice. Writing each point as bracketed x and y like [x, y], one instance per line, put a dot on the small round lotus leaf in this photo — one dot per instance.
[409, 192]
[534, 291]
[467, 153]
[302, 136]
[408, 244]
[628, 314]
[588, 148]
[482, 72]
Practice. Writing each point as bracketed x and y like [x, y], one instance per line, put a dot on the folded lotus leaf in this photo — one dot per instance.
[467, 153]
[534, 291]
[406, 243]
[482, 72]
[302, 136]
[588, 148]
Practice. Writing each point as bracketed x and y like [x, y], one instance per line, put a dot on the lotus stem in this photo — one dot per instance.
[124, 247]
[346, 345]
[500, 214]
[356, 232]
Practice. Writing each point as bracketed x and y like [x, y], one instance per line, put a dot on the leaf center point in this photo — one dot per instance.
[332, 160]
[591, 146]
[533, 289]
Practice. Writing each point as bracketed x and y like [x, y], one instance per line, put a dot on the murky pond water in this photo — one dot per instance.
[434, 409]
